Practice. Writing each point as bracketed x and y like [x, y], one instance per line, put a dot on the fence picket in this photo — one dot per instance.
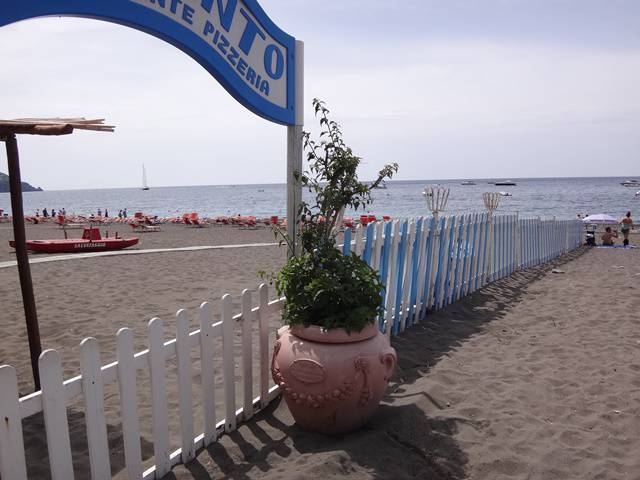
[247, 354]
[263, 322]
[497, 252]
[159, 411]
[468, 256]
[228, 369]
[12, 459]
[451, 260]
[393, 277]
[459, 258]
[183, 354]
[207, 373]
[442, 263]
[402, 251]
[477, 260]
[92, 388]
[408, 271]
[55, 415]
[346, 246]
[416, 259]
[506, 247]
[422, 268]
[433, 248]
[358, 245]
[129, 403]
[385, 256]
[377, 247]
[481, 252]
[368, 245]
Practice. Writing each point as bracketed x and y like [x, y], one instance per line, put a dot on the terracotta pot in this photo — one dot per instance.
[332, 381]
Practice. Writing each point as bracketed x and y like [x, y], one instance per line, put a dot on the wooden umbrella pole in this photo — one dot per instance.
[24, 269]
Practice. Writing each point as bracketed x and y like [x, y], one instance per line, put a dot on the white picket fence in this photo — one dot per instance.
[425, 264]
[56, 394]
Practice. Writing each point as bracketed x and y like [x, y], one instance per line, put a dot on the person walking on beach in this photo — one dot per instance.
[106, 213]
[627, 225]
[99, 212]
[124, 213]
[45, 214]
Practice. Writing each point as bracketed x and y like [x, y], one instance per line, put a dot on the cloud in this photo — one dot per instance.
[443, 107]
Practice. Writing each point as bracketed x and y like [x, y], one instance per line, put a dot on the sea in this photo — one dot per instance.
[562, 198]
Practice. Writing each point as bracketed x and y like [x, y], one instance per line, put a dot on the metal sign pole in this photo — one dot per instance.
[24, 270]
[295, 152]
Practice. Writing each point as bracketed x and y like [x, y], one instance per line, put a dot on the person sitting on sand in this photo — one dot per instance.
[608, 236]
[627, 225]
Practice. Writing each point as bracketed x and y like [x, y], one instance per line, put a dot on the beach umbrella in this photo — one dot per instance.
[600, 219]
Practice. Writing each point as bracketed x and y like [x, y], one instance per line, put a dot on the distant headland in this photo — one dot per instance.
[4, 185]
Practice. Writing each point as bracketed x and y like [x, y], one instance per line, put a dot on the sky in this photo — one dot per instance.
[445, 88]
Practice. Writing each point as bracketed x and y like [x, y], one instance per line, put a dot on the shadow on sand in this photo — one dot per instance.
[401, 441]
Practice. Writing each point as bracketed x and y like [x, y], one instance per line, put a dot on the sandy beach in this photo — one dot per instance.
[97, 296]
[535, 376]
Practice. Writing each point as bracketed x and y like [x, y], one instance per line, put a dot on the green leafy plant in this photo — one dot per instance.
[321, 286]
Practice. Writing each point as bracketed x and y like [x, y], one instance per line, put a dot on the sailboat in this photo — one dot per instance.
[144, 179]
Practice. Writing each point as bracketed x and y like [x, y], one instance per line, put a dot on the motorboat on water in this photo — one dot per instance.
[505, 183]
[91, 241]
[630, 183]
[468, 182]
[505, 194]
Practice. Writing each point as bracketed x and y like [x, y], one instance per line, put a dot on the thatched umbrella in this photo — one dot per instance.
[8, 131]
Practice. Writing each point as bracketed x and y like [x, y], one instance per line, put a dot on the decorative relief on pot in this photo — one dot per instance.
[362, 366]
[307, 371]
[313, 400]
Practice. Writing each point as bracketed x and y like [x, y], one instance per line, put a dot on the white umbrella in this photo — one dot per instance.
[600, 219]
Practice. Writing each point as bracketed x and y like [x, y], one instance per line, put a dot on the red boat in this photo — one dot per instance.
[91, 241]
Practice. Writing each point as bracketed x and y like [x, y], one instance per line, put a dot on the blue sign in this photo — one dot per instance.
[234, 40]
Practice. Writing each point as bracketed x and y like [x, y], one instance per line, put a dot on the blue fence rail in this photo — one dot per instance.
[427, 263]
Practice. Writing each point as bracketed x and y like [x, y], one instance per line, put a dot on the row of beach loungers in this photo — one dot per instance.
[147, 223]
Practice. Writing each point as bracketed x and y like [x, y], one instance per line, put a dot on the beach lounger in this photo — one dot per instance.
[142, 228]
[196, 222]
[248, 223]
